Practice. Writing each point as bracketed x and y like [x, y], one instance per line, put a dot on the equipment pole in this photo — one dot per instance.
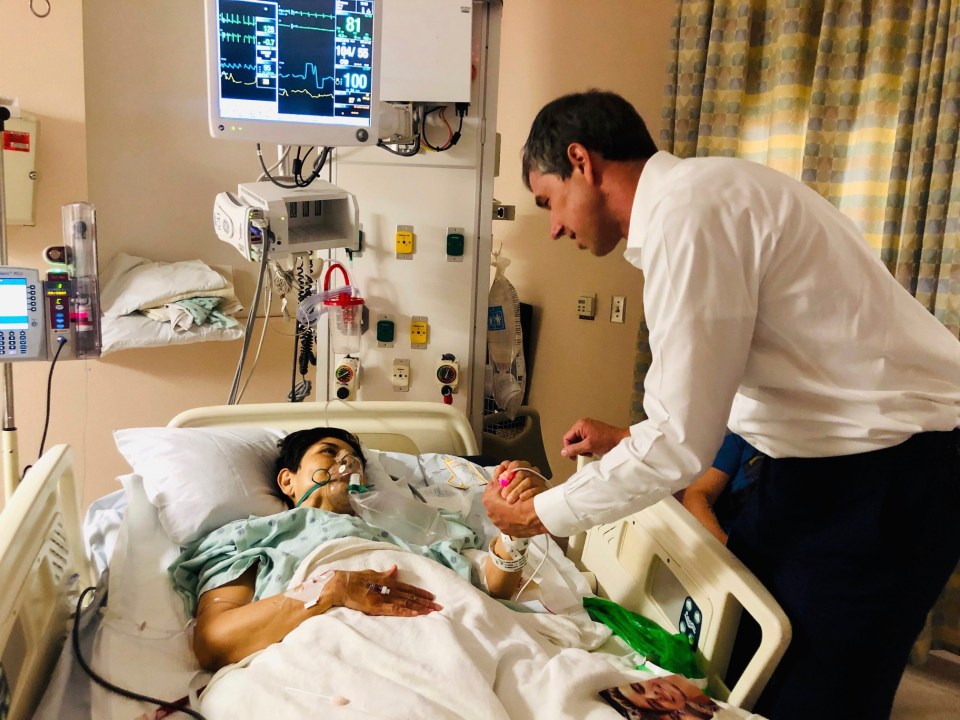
[11, 469]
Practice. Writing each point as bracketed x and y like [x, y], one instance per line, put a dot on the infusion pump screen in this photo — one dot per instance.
[13, 304]
[296, 60]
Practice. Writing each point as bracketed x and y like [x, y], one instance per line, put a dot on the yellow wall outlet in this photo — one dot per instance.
[419, 330]
[404, 242]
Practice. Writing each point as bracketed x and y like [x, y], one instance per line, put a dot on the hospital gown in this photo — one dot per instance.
[278, 543]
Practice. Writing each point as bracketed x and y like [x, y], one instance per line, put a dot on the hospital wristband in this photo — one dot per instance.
[507, 565]
[514, 547]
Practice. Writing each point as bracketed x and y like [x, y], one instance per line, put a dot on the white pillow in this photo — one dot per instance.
[202, 478]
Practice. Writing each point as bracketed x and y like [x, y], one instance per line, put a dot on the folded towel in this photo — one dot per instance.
[183, 314]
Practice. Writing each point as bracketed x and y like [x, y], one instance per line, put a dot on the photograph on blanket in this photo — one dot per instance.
[671, 697]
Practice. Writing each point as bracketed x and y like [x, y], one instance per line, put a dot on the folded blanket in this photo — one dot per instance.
[184, 314]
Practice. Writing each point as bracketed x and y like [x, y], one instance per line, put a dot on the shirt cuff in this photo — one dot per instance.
[555, 513]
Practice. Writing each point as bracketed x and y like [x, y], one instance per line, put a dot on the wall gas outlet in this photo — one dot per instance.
[587, 307]
[448, 374]
[400, 379]
[346, 378]
[404, 240]
[386, 331]
[456, 241]
[618, 309]
[419, 332]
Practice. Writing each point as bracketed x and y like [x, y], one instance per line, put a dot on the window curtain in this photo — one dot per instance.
[860, 101]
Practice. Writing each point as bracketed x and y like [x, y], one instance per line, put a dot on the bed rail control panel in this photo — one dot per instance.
[22, 331]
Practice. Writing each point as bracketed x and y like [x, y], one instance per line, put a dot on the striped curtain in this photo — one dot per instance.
[860, 101]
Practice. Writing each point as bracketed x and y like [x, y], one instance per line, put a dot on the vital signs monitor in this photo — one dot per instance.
[294, 72]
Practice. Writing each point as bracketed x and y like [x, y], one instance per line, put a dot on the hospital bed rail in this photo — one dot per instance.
[42, 568]
[653, 561]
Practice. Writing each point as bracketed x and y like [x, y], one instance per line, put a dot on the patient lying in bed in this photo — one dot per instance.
[235, 580]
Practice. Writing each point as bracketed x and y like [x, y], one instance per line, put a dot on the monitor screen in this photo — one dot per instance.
[299, 72]
[13, 304]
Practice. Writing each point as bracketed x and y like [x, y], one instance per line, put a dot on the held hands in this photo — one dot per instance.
[591, 437]
[514, 483]
[510, 507]
[378, 593]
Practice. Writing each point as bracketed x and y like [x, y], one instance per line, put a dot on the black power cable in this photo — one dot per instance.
[46, 420]
[102, 682]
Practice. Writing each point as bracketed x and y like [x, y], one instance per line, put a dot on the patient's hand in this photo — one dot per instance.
[364, 590]
[515, 484]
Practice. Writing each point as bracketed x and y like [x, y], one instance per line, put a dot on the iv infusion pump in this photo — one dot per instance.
[23, 334]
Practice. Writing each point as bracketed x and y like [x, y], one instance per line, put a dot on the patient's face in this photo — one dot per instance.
[320, 463]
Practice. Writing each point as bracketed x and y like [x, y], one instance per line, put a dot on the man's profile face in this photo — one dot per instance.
[577, 210]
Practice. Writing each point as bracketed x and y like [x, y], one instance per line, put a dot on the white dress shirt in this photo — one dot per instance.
[768, 312]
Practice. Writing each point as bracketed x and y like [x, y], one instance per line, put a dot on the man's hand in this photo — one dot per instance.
[515, 484]
[518, 519]
[591, 437]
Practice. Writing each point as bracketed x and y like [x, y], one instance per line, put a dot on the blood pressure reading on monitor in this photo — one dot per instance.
[296, 61]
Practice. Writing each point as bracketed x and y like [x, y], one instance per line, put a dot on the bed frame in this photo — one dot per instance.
[652, 562]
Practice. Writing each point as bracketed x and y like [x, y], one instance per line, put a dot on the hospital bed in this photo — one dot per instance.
[659, 562]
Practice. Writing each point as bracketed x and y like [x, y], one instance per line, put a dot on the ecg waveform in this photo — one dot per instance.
[236, 19]
[229, 37]
[305, 13]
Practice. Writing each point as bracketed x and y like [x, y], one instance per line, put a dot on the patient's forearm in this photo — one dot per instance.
[230, 626]
[500, 583]
[236, 632]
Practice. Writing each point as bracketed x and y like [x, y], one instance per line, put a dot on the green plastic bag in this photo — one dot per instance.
[671, 652]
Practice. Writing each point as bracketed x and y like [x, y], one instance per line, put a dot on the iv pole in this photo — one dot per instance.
[11, 463]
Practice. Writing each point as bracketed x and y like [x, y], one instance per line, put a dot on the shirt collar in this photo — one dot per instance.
[648, 193]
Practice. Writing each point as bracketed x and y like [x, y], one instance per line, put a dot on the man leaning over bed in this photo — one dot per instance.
[765, 306]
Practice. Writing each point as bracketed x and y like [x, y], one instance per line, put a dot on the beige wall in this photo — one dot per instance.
[549, 48]
[135, 143]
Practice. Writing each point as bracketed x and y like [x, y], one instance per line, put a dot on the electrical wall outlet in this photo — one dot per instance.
[587, 307]
[400, 379]
[618, 309]
[404, 242]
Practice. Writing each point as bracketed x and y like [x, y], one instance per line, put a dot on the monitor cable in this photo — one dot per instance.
[61, 341]
[251, 319]
[169, 707]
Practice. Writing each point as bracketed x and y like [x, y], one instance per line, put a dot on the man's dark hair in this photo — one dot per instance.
[295, 445]
[603, 122]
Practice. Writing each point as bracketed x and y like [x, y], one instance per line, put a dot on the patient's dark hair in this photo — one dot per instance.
[295, 445]
[603, 122]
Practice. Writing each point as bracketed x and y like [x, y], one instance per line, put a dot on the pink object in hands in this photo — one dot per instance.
[506, 478]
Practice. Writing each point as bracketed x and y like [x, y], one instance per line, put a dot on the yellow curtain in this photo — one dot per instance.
[860, 101]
